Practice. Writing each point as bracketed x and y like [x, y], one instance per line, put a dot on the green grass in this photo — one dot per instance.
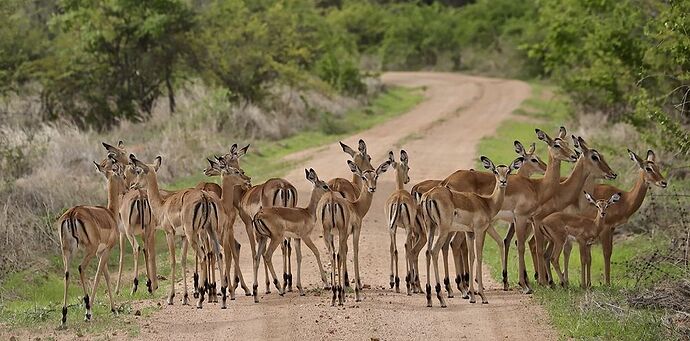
[266, 158]
[599, 313]
[32, 299]
[531, 114]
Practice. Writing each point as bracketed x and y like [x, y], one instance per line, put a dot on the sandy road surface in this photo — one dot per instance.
[440, 136]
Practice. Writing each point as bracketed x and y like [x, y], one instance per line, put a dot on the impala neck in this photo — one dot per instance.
[227, 184]
[115, 187]
[363, 202]
[633, 200]
[356, 180]
[153, 192]
[316, 195]
[496, 198]
[399, 179]
[570, 189]
[551, 180]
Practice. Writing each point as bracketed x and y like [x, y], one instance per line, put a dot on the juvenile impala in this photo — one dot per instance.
[401, 211]
[276, 223]
[94, 230]
[350, 189]
[559, 226]
[450, 211]
[337, 213]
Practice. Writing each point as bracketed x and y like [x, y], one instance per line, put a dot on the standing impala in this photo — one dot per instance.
[337, 213]
[450, 211]
[190, 212]
[350, 189]
[648, 174]
[276, 223]
[559, 226]
[94, 230]
[402, 212]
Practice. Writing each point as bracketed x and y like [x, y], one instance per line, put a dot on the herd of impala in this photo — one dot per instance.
[454, 213]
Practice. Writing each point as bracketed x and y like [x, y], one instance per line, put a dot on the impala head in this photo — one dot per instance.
[369, 177]
[502, 171]
[599, 168]
[603, 204]
[310, 174]
[118, 153]
[532, 164]
[113, 171]
[233, 157]
[652, 174]
[359, 157]
[219, 167]
[558, 147]
[402, 168]
[143, 171]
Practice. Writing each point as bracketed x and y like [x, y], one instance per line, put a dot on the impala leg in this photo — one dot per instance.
[196, 276]
[532, 243]
[470, 250]
[521, 234]
[446, 280]
[66, 260]
[588, 252]
[429, 246]
[135, 249]
[479, 247]
[394, 260]
[298, 252]
[539, 241]
[289, 264]
[82, 267]
[358, 280]
[283, 249]
[238, 271]
[106, 276]
[102, 254]
[310, 244]
[150, 272]
[195, 244]
[170, 239]
[257, 261]
[502, 251]
[583, 266]
[409, 273]
[459, 254]
[342, 260]
[268, 254]
[228, 278]
[442, 239]
[120, 262]
[466, 267]
[547, 261]
[418, 246]
[183, 261]
[567, 248]
[506, 247]
[606, 238]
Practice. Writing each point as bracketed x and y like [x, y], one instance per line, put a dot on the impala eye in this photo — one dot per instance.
[649, 169]
[595, 157]
[534, 160]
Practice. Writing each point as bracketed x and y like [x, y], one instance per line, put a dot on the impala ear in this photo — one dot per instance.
[383, 167]
[403, 157]
[614, 198]
[212, 163]
[517, 163]
[311, 175]
[362, 147]
[120, 144]
[243, 151]
[583, 145]
[347, 149]
[157, 163]
[651, 156]
[487, 163]
[519, 149]
[391, 156]
[543, 136]
[99, 168]
[354, 168]
[233, 149]
[635, 158]
[589, 198]
[562, 133]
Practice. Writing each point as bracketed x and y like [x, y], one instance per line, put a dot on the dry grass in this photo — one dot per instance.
[46, 168]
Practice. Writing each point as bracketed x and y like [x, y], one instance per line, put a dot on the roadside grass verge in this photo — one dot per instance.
[32, 299]
[266, 159]
[599, 313]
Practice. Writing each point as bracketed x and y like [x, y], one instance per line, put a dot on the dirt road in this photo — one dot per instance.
[440, 136]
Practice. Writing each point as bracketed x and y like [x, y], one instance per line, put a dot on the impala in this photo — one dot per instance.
[559, 226]
[450, 211]
[337, 213]
[276, 223]
[94, 230]
[350, 189]
[401, 211]
[192, 212]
